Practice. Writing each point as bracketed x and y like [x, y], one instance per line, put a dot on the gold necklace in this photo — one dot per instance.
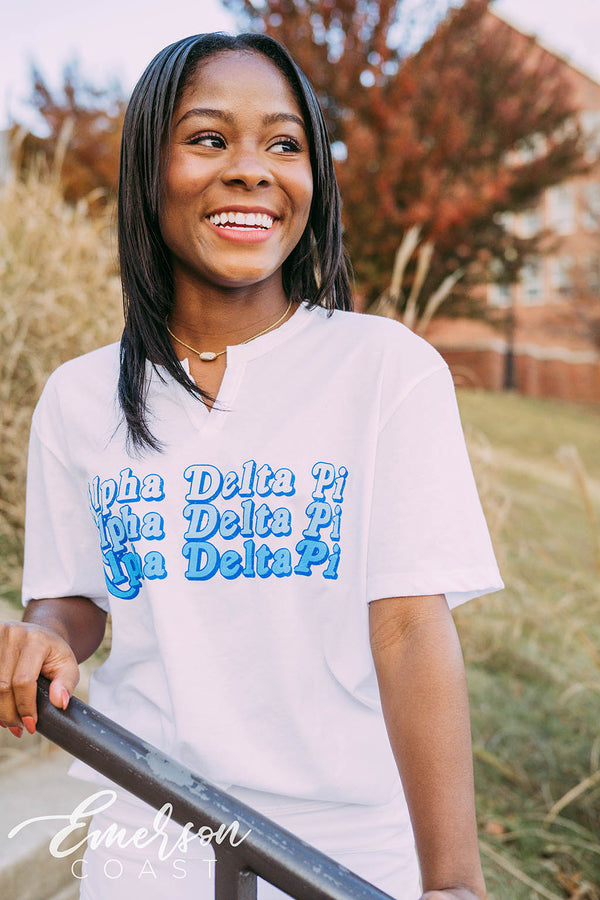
[210, 355]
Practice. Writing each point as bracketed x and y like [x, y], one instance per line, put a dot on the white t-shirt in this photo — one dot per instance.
[238, 563]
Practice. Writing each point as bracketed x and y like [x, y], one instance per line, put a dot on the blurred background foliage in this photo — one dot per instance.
[449, 138]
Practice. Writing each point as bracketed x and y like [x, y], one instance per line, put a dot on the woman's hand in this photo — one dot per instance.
[28, 649]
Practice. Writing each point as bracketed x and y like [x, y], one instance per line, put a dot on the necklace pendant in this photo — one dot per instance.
[207, 356]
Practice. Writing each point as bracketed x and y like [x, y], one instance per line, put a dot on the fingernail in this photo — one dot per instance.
[3, 725]
[16, 731]
[29, 723]
[65, 697]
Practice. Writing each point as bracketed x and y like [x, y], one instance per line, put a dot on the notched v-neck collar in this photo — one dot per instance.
[238, 355]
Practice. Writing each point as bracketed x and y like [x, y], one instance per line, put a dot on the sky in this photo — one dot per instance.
[117, 38]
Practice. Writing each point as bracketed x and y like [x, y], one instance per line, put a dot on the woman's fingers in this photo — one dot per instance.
[30, 651]
[26, 650]
[62, 687]
[9, 651]
[51, 656]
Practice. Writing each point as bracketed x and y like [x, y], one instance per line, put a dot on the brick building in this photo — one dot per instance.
[553, 347]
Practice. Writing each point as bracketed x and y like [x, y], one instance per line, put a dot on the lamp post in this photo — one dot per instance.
[509, 355]
[510, 381]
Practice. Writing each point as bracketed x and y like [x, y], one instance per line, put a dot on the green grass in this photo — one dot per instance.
[532, 651]
[534, 427]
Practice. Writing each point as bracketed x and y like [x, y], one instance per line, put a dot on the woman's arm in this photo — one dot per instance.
[54, 636]
[423, 691]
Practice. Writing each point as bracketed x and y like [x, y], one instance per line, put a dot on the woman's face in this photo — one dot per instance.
[238, 185]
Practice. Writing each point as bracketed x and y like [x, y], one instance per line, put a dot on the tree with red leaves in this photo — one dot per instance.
[84, 124]
[477, 122]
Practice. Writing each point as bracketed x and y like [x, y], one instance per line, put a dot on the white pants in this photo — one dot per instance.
[376, 842]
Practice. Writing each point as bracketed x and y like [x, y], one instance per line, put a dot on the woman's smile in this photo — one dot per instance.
[238, 187]
[244, 226]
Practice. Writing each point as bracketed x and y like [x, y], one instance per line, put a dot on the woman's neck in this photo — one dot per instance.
[210, 319]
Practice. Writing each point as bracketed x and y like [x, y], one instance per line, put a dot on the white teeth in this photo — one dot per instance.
[251, 220]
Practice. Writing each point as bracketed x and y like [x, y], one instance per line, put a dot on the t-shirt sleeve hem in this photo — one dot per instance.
[458, 586]
[28, 595]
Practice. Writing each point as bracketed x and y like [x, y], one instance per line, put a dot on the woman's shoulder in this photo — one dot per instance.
[392, 343]
[81, 385]
[99, 362]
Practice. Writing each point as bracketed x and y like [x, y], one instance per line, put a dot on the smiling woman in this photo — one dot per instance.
[232, 160]
[228, 103]
[269, 494]
[234, 180]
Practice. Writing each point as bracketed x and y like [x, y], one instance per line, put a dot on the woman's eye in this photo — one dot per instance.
[208, 139]
[286, 145]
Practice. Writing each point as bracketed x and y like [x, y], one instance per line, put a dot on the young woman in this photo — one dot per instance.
[270, 494]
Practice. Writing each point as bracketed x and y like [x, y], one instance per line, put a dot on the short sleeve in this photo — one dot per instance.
[61, 540]
[428, 533]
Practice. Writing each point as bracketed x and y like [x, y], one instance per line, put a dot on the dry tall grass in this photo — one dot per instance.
[532, 650]
[60, 297]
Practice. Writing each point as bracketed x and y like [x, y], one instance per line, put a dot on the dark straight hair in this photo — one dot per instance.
[316, 270]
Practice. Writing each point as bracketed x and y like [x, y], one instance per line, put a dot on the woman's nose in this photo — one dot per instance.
[246, 167]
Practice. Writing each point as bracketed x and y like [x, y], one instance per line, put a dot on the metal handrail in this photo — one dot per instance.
[268, 851]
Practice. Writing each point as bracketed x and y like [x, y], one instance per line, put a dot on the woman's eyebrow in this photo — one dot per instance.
[273, 118]
[269, 119]
[206, 113]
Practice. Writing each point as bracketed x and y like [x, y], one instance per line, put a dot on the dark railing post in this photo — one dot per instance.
[231, 882]
[267, 850]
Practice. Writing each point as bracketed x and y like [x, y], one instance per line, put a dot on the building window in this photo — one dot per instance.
[561, 274]
[592, 273]
[532, 283]
[590, 123]
[500, 295]
[561, 208]
[590, 206]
